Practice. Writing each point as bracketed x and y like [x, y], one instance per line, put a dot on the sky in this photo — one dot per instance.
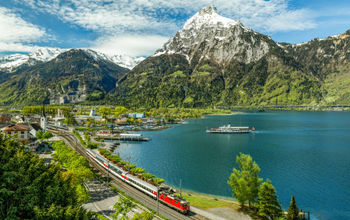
[139, 27]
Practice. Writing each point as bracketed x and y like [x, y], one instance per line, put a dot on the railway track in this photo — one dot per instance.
[126, 188]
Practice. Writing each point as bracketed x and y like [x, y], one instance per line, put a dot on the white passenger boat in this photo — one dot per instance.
[228, 129]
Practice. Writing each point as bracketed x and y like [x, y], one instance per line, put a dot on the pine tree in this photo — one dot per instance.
[268, 205]
[293, 211]
[245, 182]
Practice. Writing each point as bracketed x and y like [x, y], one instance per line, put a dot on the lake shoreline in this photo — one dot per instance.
[285, 140]
[316, 108]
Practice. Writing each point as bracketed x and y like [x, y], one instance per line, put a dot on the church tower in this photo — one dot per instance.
[43, 120]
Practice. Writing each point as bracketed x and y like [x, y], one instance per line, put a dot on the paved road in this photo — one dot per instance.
[103, 199]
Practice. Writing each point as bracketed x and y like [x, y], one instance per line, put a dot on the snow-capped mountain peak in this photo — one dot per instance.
[45, 54]
[42, 54]
[119, 59]
[208, 35]
[208, 16]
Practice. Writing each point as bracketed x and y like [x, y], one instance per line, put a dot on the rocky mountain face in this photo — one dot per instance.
[322, 56]
[216, 61]
[207, 35]
[73, 76]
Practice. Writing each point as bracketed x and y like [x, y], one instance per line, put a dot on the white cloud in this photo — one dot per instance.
[16, 47]
[159, 15]
[16, 32]
[270, 16]
[132, 45]
[120, 24]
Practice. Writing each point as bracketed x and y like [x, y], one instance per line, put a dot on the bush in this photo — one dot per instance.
[47, 135]
[39, 134]
[158, 181]
[43, 135]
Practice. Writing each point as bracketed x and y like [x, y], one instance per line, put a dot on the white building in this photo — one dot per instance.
[59, 118]
[43, 121]
[92, 112]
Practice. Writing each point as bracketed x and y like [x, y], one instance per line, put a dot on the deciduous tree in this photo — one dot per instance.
[245, 181]
[119, 110]
[104, 110]
[32, 190]
[122, 208]
[143, 216]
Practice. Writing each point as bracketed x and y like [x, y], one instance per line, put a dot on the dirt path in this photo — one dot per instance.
[226, 213]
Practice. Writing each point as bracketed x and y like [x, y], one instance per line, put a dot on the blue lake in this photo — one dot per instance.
[303, 153]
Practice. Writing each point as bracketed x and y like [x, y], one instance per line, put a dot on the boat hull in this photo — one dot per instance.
[229, 132]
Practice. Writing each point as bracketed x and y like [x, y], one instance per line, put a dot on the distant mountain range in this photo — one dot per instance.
[45, 54]
[211, 61]
[11, 62]
[73, 76]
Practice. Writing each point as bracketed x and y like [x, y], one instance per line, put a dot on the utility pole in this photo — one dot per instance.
[180, 188]
[108, 171]
[158, 200]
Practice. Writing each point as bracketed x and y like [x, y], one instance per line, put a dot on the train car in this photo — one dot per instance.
[147, 188]
[108, 166]
[165, 196]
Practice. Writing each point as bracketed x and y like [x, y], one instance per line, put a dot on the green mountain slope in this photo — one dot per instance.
[73, 76]
[323, 56]
[168, 81]
[215, 61]
[337, 86]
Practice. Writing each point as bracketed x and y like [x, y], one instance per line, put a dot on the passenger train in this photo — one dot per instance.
[165, 195]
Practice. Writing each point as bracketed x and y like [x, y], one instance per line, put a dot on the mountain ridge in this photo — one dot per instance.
[220, 62]
[73, 76]
[212, 61]
[44, 54]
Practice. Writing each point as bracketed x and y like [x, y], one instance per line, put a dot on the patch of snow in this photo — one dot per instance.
[219, 38]
[121, 60]
[280, 45]
[300, 44]
[126, 61]
[208, 16]
[216, 37]
[43, 54]
[159, 53]
[8, 63]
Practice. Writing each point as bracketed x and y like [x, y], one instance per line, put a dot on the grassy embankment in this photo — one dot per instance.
[206, 201]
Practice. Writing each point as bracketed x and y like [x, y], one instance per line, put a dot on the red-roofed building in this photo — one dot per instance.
[5, 119]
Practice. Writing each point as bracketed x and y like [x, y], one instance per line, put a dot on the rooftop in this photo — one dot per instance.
[16, 127]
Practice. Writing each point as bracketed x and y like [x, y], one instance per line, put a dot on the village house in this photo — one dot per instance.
[136, 115]
[4, 119]
[34, 128]
[21, 130]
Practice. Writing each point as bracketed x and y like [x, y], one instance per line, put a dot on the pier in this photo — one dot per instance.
[124, 137]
